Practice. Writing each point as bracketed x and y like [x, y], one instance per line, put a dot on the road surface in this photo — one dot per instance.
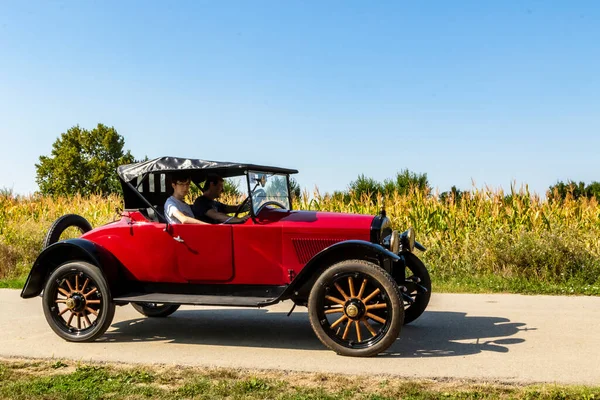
[501, 337]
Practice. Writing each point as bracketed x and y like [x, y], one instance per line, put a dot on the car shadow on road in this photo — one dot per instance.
[434, 334]
[444, 334]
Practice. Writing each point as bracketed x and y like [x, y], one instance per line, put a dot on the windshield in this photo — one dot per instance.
[268, 188]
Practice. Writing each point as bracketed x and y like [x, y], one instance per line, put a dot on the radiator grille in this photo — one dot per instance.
[307, 248]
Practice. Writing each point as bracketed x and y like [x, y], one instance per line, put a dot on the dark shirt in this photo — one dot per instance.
[201, 207]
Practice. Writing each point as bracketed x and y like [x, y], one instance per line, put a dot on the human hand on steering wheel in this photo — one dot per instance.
[243, 207]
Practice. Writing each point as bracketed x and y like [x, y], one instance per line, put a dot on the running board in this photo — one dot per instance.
[194, 299]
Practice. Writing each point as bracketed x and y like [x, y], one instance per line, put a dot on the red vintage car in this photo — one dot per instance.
[359, 279]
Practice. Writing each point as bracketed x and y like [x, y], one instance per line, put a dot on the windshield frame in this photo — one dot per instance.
[252, 183]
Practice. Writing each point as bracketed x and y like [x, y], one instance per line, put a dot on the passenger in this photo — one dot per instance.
[206, 208]
[177, 211]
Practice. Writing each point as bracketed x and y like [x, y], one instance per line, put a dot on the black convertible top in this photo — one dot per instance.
[147, 183]
[169, 164]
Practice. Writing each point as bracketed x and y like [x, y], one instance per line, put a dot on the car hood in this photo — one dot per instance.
[351, 226]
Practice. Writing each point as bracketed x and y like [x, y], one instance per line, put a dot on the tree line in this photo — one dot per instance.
[84, 162]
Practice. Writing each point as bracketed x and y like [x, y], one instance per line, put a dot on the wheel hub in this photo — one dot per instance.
[76, 302]
[70, 303]
[354, 309]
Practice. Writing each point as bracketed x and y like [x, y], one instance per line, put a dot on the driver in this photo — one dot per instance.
[206, 208]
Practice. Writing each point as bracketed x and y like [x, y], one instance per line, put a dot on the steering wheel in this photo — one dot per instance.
[270, 203]
[241, 207]
[255, 194]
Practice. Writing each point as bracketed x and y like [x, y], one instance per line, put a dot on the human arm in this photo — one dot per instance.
[227, 209]
[185, 219]
[214, 211]
[178, 212]
[221, 217]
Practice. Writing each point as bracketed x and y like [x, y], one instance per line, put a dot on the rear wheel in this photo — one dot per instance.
[342, 305]
[155, 310]
[77, 302]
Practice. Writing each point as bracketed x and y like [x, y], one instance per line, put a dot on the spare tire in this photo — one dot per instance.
[64, 222]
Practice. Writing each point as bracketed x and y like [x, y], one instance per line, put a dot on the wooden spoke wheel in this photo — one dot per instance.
[355, 308]
[155, 310]
[77, 302]
[418, 287]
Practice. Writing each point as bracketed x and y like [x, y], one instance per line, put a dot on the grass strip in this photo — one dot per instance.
[64, 379]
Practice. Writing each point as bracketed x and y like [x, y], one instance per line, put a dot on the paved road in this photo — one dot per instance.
[492, 337]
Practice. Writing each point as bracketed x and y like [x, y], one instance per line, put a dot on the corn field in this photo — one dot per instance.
[487, 241]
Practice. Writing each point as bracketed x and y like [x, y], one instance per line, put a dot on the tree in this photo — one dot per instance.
[276, 186]
[593, 189]
[294, 188]
[405, 180]
[84, 162]
[364, 185]
[453, 194]
[560, 190]
[231, 187]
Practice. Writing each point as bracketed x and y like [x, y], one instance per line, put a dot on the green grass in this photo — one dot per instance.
[16, 283]
[71, 380]
[497, 284]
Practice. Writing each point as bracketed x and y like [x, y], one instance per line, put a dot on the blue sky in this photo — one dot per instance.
[493, 92]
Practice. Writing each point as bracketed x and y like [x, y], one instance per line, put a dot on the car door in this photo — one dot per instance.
[204, 252]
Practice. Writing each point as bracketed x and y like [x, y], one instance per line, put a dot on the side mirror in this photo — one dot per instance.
[260, 179]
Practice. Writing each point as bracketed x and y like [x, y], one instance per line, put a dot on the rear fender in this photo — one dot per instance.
[347, 250]
[70, 250]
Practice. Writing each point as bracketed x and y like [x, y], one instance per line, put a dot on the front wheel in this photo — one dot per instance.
[77, 302]
[345, 298]
[155, 310]
[418, 287]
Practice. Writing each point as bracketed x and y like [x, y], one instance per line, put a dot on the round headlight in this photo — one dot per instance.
[407, 240]
[411, 238]
[386, 228]
[381, 227]
[395, 242]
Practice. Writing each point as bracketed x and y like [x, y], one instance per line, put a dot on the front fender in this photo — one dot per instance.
[346, 250]
[66, 251]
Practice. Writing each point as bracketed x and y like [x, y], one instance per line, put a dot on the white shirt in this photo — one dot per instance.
[173, 204]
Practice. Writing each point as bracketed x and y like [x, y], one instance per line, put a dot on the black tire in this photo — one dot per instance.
[64, 222]
[416, 269]
[377, 290]
[90, 301]
[155, 310]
